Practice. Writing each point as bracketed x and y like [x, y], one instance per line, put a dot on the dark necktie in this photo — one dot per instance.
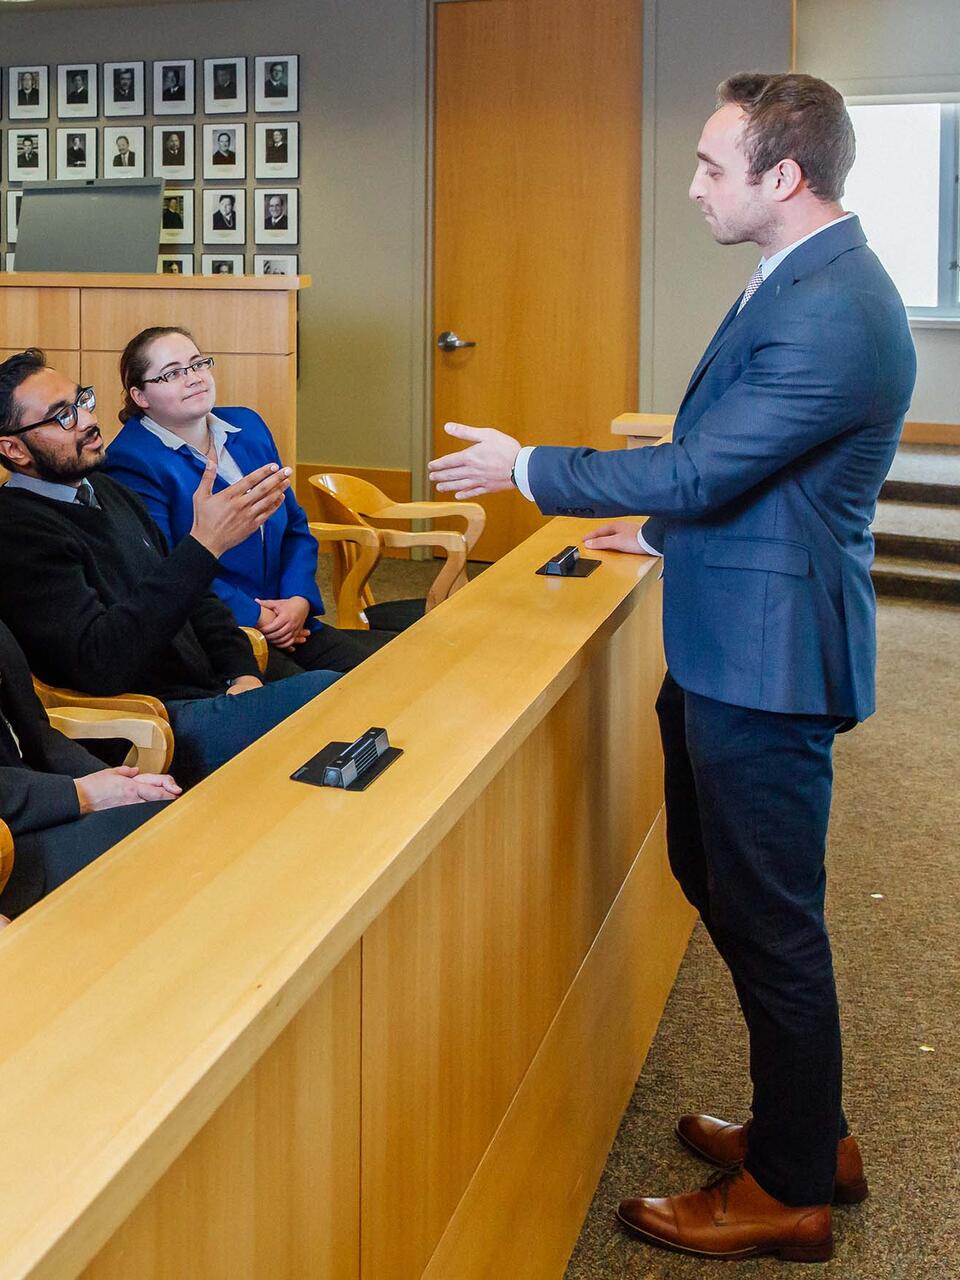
[85, 495]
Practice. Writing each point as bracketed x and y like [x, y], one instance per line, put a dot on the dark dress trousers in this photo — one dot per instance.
[762, 507]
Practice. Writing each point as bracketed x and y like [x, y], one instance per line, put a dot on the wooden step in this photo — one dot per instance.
[919, 579]
[920, 531]
[924, 473]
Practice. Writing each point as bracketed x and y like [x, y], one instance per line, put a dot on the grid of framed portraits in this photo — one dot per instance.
[98, 134]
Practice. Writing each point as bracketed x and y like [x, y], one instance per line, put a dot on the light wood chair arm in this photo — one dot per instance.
[138, 703]
[6, 854]
[150, 736]
[471, 512]
[453, 575]
[258, 643]
[349, 597]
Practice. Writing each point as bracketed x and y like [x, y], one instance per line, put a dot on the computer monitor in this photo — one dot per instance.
[99, 225]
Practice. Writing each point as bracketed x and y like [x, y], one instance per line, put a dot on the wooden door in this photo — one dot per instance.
[537, 226]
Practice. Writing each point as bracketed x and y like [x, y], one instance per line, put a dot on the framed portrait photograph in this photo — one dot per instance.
[221, 264]
[277, 83]
[276, 215]
[123, 147]
[274, 264]
[277, 149]
[27, 91]
[173, 87]
[27, 155]
[123, 88]
[175, 264]
[77, 91]
[224, 151]
[224, 215]
[173, 152]
[13, 215]
[176, 218]
[224, 86]
[76, 153]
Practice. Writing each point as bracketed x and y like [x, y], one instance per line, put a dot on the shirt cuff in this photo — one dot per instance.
[520, 472]
[645, 546]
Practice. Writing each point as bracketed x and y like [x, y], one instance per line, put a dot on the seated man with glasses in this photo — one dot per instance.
[97, 599]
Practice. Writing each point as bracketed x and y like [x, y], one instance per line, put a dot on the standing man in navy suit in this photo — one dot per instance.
[761, 507]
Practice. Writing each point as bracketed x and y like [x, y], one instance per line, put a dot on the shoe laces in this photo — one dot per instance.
[721, 1182]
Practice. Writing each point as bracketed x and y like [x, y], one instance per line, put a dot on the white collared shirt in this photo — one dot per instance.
[767, 268]
[227, 468]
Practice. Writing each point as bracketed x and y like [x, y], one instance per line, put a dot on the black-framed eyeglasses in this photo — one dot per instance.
[174, 375]
[67, 417]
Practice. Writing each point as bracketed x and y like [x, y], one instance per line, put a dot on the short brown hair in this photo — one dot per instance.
[135, 361]
[794, 117]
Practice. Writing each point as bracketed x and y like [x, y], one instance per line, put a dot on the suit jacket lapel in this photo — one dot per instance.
[807, 257]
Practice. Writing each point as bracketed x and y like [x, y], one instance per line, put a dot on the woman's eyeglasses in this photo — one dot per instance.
[174, 375]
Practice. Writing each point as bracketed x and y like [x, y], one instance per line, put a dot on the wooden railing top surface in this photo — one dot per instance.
[110, 280]
[134, 998]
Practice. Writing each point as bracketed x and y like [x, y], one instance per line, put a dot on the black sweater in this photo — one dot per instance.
[36, 777]
[99, 604]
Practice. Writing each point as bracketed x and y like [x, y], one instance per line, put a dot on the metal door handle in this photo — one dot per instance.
[448, 341]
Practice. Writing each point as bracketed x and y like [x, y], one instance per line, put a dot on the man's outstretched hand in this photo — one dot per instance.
[483, 468]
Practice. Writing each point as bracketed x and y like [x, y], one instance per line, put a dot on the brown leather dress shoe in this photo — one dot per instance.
[724, 1144]
[732, 1217]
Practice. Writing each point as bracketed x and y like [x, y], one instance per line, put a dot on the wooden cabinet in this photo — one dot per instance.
[83, 322]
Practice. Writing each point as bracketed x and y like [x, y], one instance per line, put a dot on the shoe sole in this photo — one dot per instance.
[845, 1193]
[822, 1251]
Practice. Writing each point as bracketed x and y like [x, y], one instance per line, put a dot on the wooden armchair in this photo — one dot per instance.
[139, 718]
[350, 505]
[6, 854]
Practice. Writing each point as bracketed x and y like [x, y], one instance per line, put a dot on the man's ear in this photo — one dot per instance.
[14, 453]
[786, 178]
[138, 398]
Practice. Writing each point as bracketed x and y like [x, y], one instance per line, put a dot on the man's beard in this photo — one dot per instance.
[67, 470]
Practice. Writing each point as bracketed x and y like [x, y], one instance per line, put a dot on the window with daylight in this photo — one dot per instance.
[904, 187]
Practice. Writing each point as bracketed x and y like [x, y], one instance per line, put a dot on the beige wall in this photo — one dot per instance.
[688, 282]
[868, 47]
[362, 96]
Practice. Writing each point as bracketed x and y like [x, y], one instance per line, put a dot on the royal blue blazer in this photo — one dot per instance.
[762, 504]
[282, 564]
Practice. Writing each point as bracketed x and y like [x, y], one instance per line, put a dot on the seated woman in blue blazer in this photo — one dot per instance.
[170, 431]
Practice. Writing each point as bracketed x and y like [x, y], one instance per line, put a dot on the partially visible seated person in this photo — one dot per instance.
[62, 806]
[171, 431]
[98, 602]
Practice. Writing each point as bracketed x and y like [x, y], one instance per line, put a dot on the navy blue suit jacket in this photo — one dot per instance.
[762, 504]
[284, 564]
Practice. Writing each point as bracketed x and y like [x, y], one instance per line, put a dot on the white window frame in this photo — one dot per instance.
[946, 314]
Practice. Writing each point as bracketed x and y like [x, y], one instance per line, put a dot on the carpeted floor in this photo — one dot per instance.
[894, 911]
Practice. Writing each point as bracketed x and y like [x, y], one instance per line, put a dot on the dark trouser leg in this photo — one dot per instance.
[210, 731]
[327, 649]
[763, 784]
[45, 859]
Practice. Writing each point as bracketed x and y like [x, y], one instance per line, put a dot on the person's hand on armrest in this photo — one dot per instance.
[113, 788]
[485, 467]
[620, 535]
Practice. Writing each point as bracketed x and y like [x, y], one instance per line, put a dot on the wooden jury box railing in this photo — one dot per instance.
[83, 322]
[292, 1032]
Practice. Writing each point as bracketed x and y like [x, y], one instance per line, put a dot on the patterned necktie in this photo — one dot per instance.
[85, 495]
[753, 284]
